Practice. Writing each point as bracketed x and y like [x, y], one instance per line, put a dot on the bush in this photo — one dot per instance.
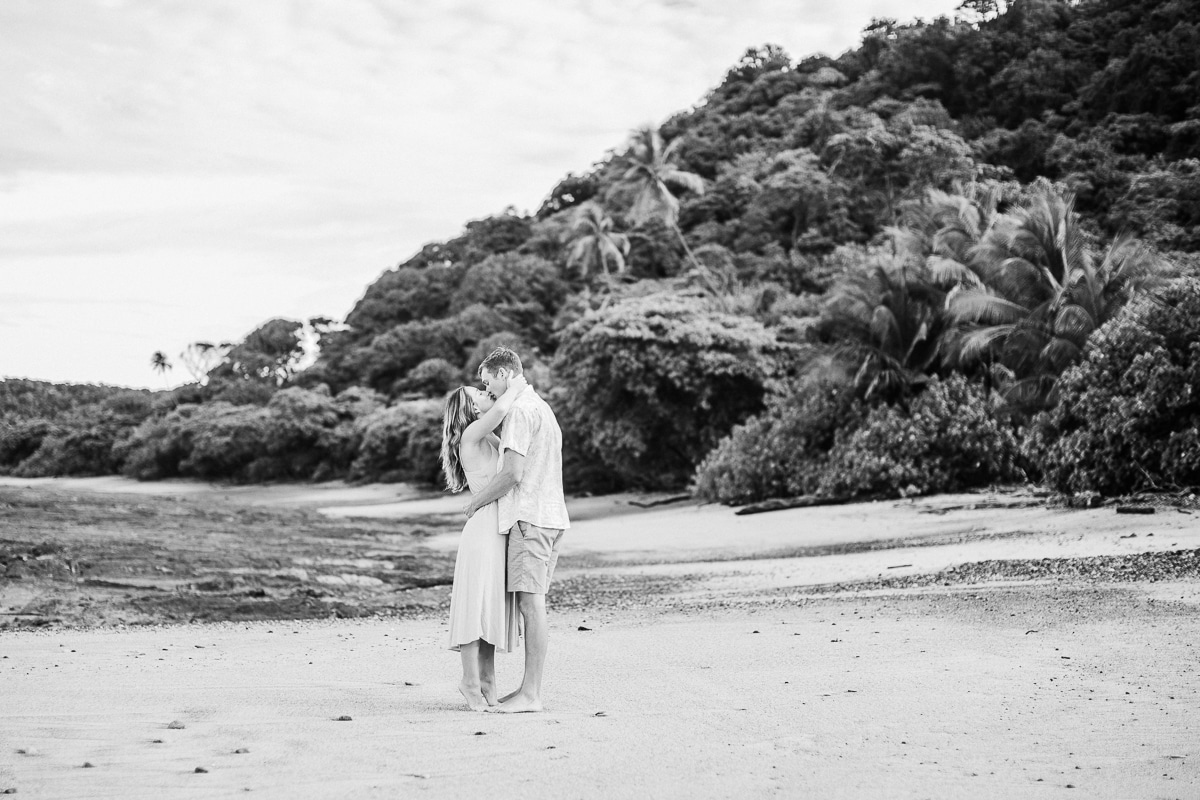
[157, 446]
[782, 452]
[225, 439]
[401, 443]
[84, 442]
[84, 450]
[950, 439]
[1128, 415]
[433, 377]
[652, 383]
[18, 442]
[299, 435]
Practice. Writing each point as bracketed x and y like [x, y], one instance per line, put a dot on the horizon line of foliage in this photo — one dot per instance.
[806, 283]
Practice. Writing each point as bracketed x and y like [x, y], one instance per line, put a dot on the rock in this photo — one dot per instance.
[175, 725]
[201, 770]
[240, 751]
[343, 718]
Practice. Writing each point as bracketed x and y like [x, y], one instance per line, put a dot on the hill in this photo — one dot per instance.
[847, 276]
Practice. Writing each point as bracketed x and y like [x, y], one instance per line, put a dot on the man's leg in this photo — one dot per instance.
[532, 556]
[529, 696]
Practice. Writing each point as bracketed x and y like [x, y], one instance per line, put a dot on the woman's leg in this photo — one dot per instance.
[469, 686]
[487, 672]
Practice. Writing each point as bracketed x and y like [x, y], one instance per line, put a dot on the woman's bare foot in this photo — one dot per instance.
[473, 697]
[518, 704]
[489, 693]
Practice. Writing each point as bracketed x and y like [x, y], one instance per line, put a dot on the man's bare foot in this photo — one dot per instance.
[510, 695]
[473, 697]
[519, 704]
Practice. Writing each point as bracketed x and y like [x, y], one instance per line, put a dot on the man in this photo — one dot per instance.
[533, 513]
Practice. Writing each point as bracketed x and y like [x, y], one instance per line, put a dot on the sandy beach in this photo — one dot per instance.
[988, 645]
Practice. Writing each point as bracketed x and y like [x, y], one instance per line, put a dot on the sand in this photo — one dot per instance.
[746, 676]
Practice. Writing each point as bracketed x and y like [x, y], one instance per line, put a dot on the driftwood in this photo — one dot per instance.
[675, 498]
[803, 501]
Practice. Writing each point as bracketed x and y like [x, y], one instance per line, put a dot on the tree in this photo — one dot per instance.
[1129, 414]
[886, 319]
[1042, 292]
[652, 174]
[651, 384]
[595, 242]
[200, 358]
[160, 364]
[270, 354]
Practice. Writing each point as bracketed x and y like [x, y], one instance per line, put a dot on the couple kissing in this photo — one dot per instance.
[503, 444]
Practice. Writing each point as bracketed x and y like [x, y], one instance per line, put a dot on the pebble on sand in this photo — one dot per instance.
[88, 765]
[201, 770]
[343, 718]
[175, 725]
[240, 751]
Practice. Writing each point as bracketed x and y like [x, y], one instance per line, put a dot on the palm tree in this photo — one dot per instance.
[160, 364]
[1041, 294]
[595, 243]
[887, 322]
[653, 174]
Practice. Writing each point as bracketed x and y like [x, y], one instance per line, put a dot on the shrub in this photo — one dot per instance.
[298, 435]
[433, 377]
[18, 442]
[401, 443]
[157, 446]
[1128, 416]
[949, 439]
[653, 383]
[87, 449]
[225, 439]
[782, 452]
[84, 442]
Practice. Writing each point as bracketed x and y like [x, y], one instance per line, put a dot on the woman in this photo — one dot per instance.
[483, 617]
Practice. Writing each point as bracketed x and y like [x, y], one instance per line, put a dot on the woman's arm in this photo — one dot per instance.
[481, 427]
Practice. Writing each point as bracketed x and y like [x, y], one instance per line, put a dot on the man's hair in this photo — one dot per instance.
[501, 358]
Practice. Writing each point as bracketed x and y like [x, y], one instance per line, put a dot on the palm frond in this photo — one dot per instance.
[1073, 322]
[947, 272]
[1060, 353]
[980, 306]
[689, 181]
[979, 341]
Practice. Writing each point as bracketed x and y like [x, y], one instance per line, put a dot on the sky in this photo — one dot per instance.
[174, 171]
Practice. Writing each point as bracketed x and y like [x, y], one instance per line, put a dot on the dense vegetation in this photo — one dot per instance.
[930, 263]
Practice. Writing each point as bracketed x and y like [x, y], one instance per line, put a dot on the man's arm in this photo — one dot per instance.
[508, 477]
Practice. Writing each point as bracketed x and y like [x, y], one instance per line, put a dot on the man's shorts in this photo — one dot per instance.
[532, 556]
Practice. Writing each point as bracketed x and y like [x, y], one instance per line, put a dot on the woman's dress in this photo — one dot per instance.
[480, 608]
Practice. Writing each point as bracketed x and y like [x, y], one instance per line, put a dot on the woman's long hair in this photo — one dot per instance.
[459, 412]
